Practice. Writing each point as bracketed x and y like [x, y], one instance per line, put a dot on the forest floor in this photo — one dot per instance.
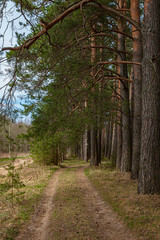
[71, 208]
[19, 162]
[83, 203]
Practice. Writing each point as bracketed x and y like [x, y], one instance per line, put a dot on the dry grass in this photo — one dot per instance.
[140, 212]
[17, 210]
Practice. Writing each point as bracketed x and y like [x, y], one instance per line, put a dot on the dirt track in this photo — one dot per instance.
[106, 224]
[37, 229]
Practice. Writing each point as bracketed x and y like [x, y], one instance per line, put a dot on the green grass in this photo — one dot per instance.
[72, 162]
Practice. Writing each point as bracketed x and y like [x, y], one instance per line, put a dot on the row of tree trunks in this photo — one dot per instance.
[146, 83]
[133, 143]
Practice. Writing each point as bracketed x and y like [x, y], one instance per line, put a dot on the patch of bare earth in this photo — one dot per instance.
[19, 162]
[37, 228]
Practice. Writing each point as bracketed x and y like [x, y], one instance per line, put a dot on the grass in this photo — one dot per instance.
[4, 161]
[35, 178]
[140, 212]
[72, 162]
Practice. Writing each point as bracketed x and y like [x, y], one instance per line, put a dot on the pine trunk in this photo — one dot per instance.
[149, 176]
[93, 147]
[85, 145]
[119, 126]
[114, 145]
[110, 134]
[137, 83]
[126, 123]
[93, 161]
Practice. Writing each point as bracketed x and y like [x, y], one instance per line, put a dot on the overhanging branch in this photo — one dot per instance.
[90, 3]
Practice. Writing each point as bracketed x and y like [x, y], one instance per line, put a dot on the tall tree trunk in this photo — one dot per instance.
[114, 144]
[89, 144]
[114, 126]
[93, 161]
[81, 149]
[137, 87]
[103, 140]
[119, 126]
[110, 134]
[85, 135]
[106, 139]
[99, 147]
[93, 147]
[149, 175]
[126, 123]
[85, 145]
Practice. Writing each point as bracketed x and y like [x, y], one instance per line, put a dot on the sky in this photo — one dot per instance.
[8, 27]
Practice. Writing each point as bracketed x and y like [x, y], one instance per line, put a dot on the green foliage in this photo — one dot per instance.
[56, 74]
[43, 151]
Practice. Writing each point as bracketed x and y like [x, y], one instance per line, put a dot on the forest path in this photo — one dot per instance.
[72, 209]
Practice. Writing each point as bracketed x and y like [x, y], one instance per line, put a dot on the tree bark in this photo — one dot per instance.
[149, 175]
[126, 123]
[93, 160]
[85, 145]
[106, 139]
[93, 147]
[137, 83]
[110, 134]
[119, 126]
[114, 144]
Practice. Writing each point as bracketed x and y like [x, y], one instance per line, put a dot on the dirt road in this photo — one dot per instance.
[72, 209]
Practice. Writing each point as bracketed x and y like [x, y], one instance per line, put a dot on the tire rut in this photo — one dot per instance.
[107, 222]
[37, 228]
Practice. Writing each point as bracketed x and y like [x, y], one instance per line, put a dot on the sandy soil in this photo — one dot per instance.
[37, 228]
[17, 163]
[107, 224]
[6, 155]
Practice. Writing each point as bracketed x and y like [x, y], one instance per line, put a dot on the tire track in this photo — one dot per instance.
[107, 222]
[38, 226]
